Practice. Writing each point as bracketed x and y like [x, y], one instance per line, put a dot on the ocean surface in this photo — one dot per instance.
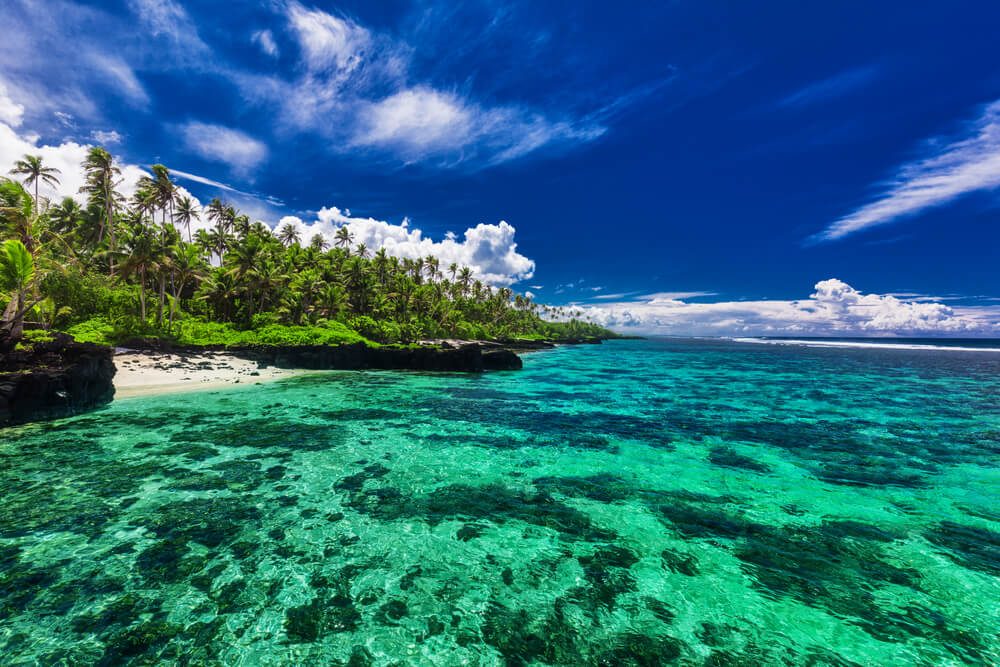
[634, 503]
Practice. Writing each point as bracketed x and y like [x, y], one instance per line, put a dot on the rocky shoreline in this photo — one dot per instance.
[52, 379]
[47, 380]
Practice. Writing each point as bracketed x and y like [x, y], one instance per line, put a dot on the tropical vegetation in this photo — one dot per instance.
[110, 269]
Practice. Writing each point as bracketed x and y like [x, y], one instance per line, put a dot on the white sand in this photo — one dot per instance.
[146, 373]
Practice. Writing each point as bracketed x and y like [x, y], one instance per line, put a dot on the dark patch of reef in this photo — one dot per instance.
[54, 378]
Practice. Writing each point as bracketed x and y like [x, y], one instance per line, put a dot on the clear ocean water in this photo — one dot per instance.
[635, 503]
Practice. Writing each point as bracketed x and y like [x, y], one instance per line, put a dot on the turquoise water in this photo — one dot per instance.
[639, 502]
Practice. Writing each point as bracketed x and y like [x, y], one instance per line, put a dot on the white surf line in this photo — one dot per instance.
[853, 344]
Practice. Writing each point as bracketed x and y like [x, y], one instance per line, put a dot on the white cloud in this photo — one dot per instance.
[166, 18]
[106, 138]
[417, 120]
[119, 75]
[265, 40]
[11, 112]
[489, 250]
[419, 123]
[177, 173]
[67, 157]
[216, 143]
[353, 89]
[835, 308]
[968, 165]
[327, 41]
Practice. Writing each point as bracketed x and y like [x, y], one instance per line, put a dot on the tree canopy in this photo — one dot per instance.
[112, 269]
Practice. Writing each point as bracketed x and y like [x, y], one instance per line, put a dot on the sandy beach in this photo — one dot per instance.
[143, 373]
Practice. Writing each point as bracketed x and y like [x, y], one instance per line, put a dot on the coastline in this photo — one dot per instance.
[61, 377]
[145, 373]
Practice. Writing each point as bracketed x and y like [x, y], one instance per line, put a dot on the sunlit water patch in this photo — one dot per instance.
[640, 502]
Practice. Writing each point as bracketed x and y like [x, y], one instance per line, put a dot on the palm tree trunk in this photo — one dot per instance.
[163, 298]
[142, 294]
[109, 214]
[173, 303]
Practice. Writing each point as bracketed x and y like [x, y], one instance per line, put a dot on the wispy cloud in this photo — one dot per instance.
[835, 86]
[421, 123]
[328, 41]
[356, 87]
[216, 143]
[265, 40]
[106, 138]
[951, 170]
[168, 19]
[204, 180]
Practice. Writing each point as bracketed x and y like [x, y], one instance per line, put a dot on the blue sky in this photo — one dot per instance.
[655, 159]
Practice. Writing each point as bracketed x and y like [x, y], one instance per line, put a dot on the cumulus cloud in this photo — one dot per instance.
[488, 250]
[68, 158]
[834, 308]
[953, 169]
[216, 143]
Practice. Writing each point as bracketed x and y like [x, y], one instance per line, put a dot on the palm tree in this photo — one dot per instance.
[17, 271]
[220, 290]
[288, 234]
[100, 171]
[343, 238]
[221, 214]
[65, 216]
[141, 258]
[15, 212]
[245, 258]
[187, 266]
[318, 242]
[241, 223]
[185, 213]
[465, 277]
[381, 263]
[164, 190]
[31, 167]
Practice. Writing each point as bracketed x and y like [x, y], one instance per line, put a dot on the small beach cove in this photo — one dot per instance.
[149, 373]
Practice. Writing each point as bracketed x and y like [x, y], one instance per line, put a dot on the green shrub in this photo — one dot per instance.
[193, 331]
[94, 330]
[38, 336]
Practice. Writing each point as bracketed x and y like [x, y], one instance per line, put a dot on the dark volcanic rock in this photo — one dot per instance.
[472, 358]
[501, 360]
[54, 379]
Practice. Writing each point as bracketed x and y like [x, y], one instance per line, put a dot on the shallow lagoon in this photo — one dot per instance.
[639, 502]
